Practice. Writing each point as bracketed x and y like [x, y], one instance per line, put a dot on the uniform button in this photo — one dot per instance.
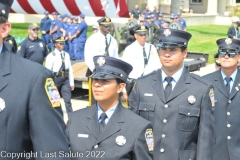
[166, 106]
[163, 135]
[228, 125]
[145, 109]
[228, 137]
[228, 113]
[164, 121]
[229, 101]
[162, 150]
[188, 113]
[96, 146]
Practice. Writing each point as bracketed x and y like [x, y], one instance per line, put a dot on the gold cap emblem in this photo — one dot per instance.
[167, 32]
[101, 61]
[107, 19]
[142, 27]
[228, 41]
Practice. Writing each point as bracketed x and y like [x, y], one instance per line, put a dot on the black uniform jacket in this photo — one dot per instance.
[226, 118]
[83, 134]
[232, 32]
[183, 123]
[28, 122]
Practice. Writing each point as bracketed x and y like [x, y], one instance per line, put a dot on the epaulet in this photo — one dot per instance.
[149, 74]
[199, 78]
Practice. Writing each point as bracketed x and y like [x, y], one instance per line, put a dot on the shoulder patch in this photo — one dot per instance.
[149, 139]
[52, 93]
[211, 95]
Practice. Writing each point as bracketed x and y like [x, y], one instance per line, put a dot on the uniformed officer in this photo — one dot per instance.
[82, 36]
[141, 55]
[53, 28]
[67, 28]
[135, 13]
[104, 43]
[233, 32]
[30, 115]
[10, 43]
[106, 129]
[148, 21]
[146, 12]
[227, 97]
[58, 61]
[45, 29]
[60, 26]
[33, 48]
[160, 20]
[177, 103]
[172, 18]
[182, 22]
[73, 40]
[155, 11]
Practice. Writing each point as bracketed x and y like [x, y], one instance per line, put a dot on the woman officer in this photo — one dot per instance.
[107, 130]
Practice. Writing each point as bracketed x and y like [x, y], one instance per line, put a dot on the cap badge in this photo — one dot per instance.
[2, 104]
[228, 41]
[121, 75]
[191, 99]
[3, 12]
[142, 27]
[167, 32]
[107, 19]
[121, 140]
[101, 61]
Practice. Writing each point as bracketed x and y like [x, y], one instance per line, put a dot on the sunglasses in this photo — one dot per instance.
[36, 29]
[231, 54]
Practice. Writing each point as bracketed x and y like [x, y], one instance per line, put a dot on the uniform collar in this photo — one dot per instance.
[233, 76]
[1, 47]
[33, 40]
[109, 112]
[176, 76]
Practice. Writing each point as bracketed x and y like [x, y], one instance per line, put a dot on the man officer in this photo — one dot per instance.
[30, 113]
[58, 61]
[45, 29]
[177, 103]
[227, 97]
[32, 47]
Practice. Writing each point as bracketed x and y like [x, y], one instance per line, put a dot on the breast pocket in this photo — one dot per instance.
[187, 118]
[147, 110]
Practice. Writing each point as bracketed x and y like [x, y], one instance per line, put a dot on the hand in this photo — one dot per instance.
[66, 38]
[50, 33]
[43, 32]
[72, 88]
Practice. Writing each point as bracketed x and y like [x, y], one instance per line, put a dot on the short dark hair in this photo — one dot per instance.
[183, 48]
[3, 19]
[119, 81]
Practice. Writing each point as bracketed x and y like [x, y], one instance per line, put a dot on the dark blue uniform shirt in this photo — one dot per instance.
[53, 24]
[136, 13]
[83, 27]
[60, 25]
[45, 24]
[34, 50]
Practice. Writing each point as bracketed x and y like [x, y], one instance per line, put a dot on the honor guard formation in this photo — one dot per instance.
[144, 104]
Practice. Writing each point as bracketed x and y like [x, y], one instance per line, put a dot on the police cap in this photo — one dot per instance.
[57, 39]
[46, 12]
[173, 38]
[172, 16]
[140, 29]
[82, 15]
[228, 44]
[5, 6]
[55, 13]
[110, 68]
[160, 15]
[105, 21]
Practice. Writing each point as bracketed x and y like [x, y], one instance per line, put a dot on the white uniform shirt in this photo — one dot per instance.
[133, 55]
[54, 63]
[96, 44]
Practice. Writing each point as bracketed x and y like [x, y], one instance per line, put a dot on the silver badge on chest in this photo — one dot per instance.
[121, 140]
[191, 99]
[2, 104]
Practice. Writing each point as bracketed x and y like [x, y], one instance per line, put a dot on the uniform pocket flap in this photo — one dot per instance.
[187, 155]
[189, 111]
[147, 106]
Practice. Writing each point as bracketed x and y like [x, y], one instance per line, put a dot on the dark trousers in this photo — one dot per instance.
[46, 39]
[64, 88]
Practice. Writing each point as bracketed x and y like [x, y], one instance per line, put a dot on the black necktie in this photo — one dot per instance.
[106, 49]
[228, 80]
[102, 122]
[168, 88]
[63, 62]
[145, 57]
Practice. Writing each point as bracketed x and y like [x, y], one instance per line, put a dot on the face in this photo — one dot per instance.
[136, 7]
[69, 20]
[147, 8]
[165, 25]
[106, 90]
[54, 16]
[105, 29]
[172, 58]
[4, 30]
[227, 61]
[59, 45]
[141, 38]
[33, 32]
[160, 18]
[75, 21]
[171, 19]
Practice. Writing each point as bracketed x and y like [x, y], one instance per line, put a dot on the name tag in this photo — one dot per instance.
[148, 94]
[83, 135]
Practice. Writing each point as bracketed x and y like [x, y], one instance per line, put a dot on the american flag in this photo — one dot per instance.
[118, 8]
[105, 4]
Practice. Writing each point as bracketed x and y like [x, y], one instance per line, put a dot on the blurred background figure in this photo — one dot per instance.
[135, 13]
[146, 13]
[95, 27]
[233, 31]
[45, 29]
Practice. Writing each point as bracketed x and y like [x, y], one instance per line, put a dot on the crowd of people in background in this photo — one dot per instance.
[148, 17]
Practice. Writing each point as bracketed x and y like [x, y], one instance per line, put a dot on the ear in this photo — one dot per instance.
[6, 27]
[121, 86]
[185, 53]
